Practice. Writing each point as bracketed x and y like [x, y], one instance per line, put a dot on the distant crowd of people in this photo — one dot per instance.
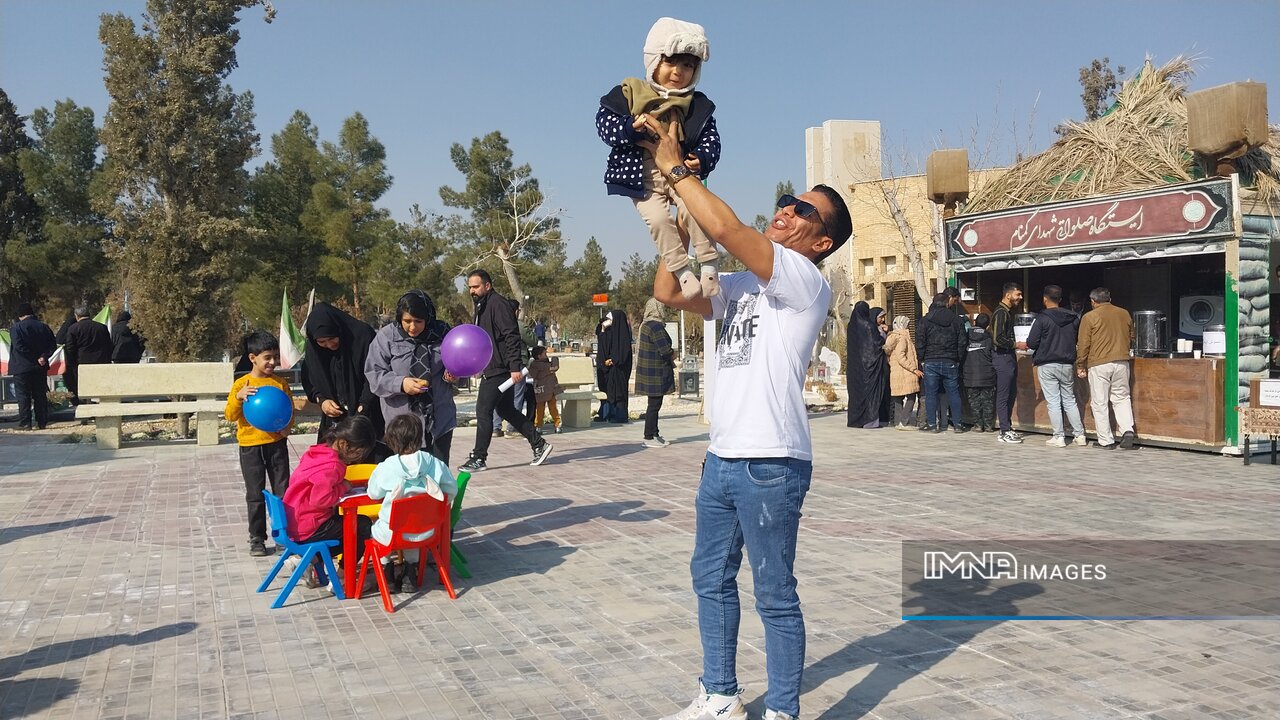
[84, 341]
[917, 383]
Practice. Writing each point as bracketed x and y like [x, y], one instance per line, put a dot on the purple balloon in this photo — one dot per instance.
[466, 350]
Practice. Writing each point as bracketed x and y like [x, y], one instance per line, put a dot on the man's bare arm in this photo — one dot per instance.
[711, 213]
[666, 289]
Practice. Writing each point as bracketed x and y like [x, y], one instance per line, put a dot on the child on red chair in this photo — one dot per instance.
[318, 483]
[409, 472]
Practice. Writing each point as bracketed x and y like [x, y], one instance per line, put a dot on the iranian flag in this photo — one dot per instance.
[292, 342]
[4, 352]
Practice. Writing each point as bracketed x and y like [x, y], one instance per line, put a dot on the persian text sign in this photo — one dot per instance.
[1169, 213]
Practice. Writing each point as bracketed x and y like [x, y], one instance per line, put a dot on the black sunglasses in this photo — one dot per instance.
[804, 210]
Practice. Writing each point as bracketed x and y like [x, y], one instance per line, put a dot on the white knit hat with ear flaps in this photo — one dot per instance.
[669, 36]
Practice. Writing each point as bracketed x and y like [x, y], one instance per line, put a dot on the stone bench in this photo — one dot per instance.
[187, 389]
[577, 375]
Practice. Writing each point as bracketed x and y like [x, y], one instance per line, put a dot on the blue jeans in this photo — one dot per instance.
[1058, 382]
[946, 373]
[755, 503]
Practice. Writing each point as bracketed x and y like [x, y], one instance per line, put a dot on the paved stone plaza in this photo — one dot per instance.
[126, 588]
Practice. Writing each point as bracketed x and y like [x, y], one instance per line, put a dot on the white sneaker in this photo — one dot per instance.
[709, 706]
[1080, 441]
[1056, 441]
[661, 440]
[710, 279]
[653, 442]
[690, 288]
[1009, 437]
[775, 715]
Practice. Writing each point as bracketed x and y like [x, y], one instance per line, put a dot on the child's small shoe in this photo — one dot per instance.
[690, 288]
[408, 581]
[391, 572]
[710, 282]
[310, 578]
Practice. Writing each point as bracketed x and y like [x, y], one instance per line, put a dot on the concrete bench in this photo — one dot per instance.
[577, 375]
[187, 389]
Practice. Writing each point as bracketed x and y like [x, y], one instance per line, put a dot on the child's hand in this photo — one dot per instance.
[450, 377]
[693, 163]
[245, 392]
[639, 122]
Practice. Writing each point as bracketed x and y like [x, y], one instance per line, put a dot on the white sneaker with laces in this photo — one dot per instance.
[710, 706]
[661, 440]
[1057, 441]
[1009, 437]
[652, 443]
[1080, 441]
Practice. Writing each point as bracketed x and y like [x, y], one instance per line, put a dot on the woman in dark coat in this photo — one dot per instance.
[881, 321]
[127, 345]
[867, 371]
[333, 368]
[615, 357]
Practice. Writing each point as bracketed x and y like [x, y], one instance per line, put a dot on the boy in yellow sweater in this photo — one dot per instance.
[262, 453]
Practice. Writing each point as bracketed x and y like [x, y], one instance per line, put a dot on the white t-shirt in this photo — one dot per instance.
[757, 405]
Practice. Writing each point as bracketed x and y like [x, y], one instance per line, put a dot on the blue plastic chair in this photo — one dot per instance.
[306, 551]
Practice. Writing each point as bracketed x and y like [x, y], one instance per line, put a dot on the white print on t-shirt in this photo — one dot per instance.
[738, 331]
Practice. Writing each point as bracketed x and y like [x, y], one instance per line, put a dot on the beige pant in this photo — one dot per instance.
[1109, 383]
[655, 209]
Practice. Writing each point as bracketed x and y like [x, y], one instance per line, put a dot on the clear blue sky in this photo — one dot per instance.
[428, 74]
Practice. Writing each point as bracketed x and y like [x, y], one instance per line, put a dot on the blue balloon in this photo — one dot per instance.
[269, 409]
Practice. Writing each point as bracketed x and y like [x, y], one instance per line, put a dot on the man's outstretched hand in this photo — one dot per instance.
[666, 150]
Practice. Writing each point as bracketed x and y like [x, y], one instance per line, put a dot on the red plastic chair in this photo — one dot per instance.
[411, 516]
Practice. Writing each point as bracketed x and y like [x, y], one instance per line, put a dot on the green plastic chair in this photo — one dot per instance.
[457, 559]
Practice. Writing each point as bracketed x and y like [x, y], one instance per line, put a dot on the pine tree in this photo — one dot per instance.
[19, 213]
[177, 139]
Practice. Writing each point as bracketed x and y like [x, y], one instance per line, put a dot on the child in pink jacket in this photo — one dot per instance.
[319, 482]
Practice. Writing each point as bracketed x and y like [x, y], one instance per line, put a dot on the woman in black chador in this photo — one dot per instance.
[867, 370]
[614, 357]
[333, 368]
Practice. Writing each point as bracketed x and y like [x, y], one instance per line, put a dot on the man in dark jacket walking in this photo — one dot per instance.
[1005, 361]
[1053, 339]
[88, 343]
[496, 316]
[941, 344]
[33, 345]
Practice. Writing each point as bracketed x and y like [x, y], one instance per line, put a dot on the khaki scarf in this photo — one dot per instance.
[642, 97]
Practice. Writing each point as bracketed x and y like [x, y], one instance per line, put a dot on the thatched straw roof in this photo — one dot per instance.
[1141, 143]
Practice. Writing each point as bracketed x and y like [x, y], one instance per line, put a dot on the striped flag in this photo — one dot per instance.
[292, 343]
[4, 352]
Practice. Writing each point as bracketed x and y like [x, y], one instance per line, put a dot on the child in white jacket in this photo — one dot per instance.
[409, 472]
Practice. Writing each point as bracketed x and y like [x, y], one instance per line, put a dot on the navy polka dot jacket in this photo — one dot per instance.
[624, 174]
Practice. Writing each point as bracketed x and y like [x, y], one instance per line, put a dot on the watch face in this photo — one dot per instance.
[679, 171]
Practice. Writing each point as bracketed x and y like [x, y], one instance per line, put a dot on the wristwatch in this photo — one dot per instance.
[679, 173]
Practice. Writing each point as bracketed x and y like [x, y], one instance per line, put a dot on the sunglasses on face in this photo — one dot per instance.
[803, 209]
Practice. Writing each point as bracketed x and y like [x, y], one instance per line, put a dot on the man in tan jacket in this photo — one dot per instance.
[1102, 355]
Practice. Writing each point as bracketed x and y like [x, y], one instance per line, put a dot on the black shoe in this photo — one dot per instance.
[940, 429]
[42, 426]
[961, 429]
[409, 578]
[541, 452]
[24, 427]
[927, 428]
[392, 572]
[258, 548]
[1126, 441]
[1100, 446]
[473, 464]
